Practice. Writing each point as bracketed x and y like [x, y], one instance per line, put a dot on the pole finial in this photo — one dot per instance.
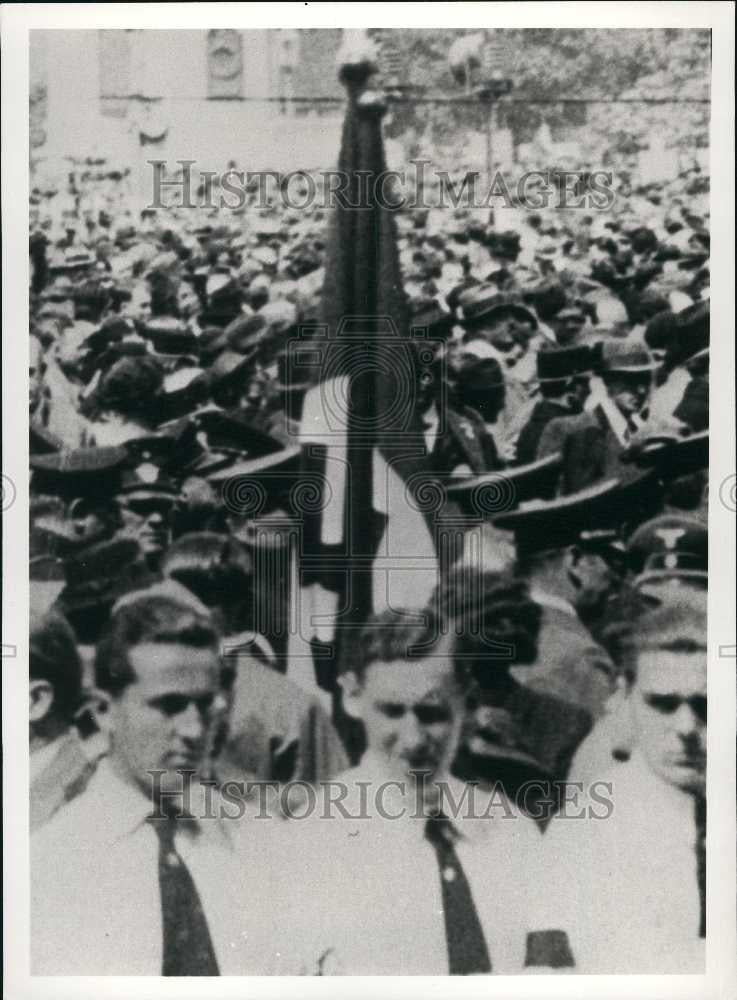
[357, 58]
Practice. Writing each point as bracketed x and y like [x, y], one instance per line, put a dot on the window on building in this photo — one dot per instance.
[314, 69]
[115, 55]
[224, 63]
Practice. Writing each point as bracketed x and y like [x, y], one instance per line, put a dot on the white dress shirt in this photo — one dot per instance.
[40, 759]
[376, 906]
[95, 898]
[627, 893]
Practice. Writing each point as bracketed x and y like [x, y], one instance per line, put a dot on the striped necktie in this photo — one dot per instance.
[467, 950]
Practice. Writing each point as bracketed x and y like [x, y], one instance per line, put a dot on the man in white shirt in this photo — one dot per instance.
[631, 883]
[138, 876]
[413, 872]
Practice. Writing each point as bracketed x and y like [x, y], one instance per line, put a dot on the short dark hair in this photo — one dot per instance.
[674, 627]
[489, 611]
[54, 658]
[385, 638]
[147, 619]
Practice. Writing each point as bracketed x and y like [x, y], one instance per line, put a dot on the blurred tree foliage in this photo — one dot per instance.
[544, 63]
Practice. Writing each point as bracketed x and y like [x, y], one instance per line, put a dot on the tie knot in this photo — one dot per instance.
[440, 831]
[167, 827]
[164, 830]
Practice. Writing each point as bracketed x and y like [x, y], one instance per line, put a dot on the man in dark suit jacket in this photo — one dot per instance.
[456, 437]
[569, 666]
[592, 443]
[515, 732]
[465, 441]
[563, 377]
[60, 768]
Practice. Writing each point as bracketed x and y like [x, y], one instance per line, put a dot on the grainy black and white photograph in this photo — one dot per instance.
[368, 499]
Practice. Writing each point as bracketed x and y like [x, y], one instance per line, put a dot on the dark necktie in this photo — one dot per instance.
[467, 951]
[700, 808]
[187, 946]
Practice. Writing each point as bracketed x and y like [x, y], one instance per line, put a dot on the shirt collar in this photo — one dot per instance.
[413, 820]
[546, 600]
[664, 799]
[126, 808]
[40, 759]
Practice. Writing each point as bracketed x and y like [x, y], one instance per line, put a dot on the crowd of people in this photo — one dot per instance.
[570, 364]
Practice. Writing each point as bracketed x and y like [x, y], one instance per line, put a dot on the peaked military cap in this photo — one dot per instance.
[170, 336]
[78, 472]
[671, 546]
[542, 525]
[484, 495]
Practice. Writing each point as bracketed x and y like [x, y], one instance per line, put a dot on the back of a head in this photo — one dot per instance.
[148, 619]
[385, 639]
[494, 618]
[130, 384]
[216, 568]
[53, 657]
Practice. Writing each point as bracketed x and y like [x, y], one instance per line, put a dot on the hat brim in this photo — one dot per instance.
[703, 353]
[599, 506]
[218, 378]
[523, 478]
[674, 457]
[499, 311]
[647, 369]
[551, 379]
[695, 576]
[253, 467]
[481, 748]
[143, 492]
[293, 386]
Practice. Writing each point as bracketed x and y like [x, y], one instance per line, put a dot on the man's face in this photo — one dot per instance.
[510, 337]
[412, 712]
[629, 393]
[162, 720]
[579, 392]
[590, 574]
[147, 520]
[89, 517]
[568, 324]
[668, 701]
[187, 300]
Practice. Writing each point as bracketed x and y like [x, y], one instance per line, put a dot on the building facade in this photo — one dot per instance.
[217, 97]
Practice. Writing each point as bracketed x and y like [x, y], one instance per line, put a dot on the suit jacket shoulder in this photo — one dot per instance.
[469, 431]
[570, 665]
[528, 441]
[582, 442]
